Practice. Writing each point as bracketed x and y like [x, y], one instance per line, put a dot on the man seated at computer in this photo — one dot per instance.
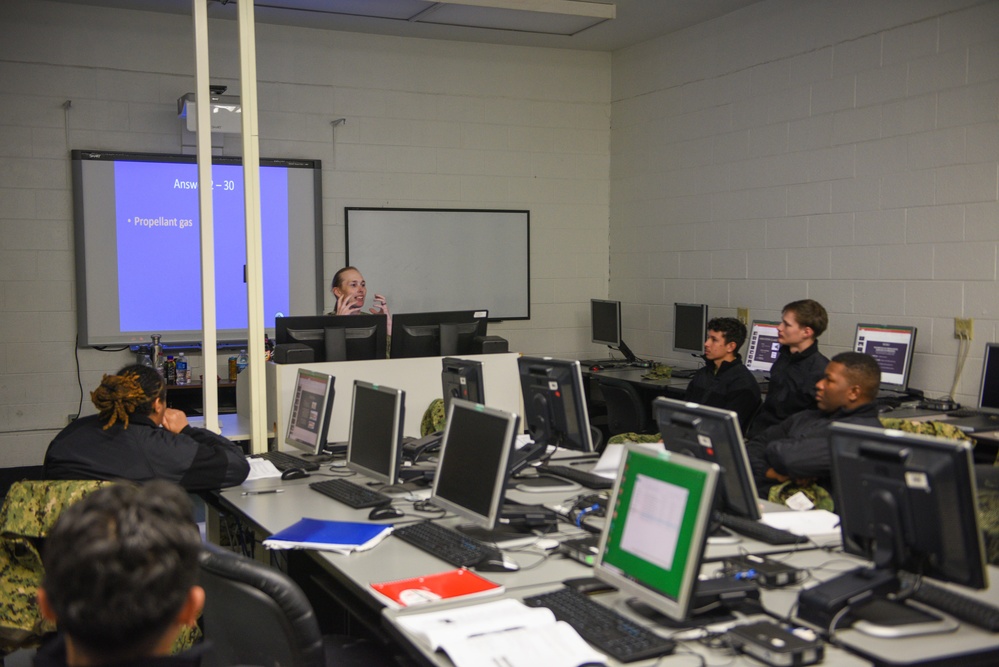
[798, 448]
[350, 290]
[724, 381]
[120, 581]
[135, 436]
[799, 364]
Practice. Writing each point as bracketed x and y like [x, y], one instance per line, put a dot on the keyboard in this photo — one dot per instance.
[351, 494]
[758, 530]
[683, 373]
[587, 479]
[607, 630]
[962, 607]
[967, 412]
[447, 544]
[284, 461]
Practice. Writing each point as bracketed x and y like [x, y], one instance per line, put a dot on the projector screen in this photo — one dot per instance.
[425, 260]
[138, 245]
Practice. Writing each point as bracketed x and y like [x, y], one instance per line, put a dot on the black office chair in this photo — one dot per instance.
[626, 411]
[256, 615]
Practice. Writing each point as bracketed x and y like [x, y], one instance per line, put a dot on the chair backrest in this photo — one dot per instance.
[626, 410]
[256, 615]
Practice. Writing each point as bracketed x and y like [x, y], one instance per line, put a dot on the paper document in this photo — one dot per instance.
[261, 469]
[342, 537]
[811, 522]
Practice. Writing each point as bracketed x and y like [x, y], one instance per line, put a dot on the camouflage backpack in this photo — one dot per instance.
[434, 418]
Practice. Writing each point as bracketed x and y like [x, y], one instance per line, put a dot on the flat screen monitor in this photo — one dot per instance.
[376, 421]
[892, 347]
[764, 346]
[605, 322]
[711, 434]
[461, 378]
[137, 211]
[988, 396]
[690, 327]
[554, 403]
[653, 540]
[311, 407]
[908, 502]
[473, 464]
[438, 334]
[336, 337]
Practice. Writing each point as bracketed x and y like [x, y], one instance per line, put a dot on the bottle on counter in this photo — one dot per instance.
[183, 370]
[156, 352]
[233, 369]
[242, 361]
[170, 370]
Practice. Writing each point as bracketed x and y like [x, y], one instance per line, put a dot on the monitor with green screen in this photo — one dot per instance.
[658, 522]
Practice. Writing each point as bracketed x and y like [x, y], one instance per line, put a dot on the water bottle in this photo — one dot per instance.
[183, 372]
[157, 355]
[241, 361]
[170, 370]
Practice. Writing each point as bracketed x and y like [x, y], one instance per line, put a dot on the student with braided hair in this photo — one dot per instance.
[135, 436]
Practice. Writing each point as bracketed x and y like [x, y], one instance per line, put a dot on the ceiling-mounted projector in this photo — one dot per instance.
[226, 111]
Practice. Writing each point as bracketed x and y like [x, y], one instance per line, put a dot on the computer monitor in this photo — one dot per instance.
[554, 403]
[461, 378]
[892, 347]
[907, 502]
[690, 327]
[335, 337]
[376, 423]
[657, 524]
[311, 407]
[763, 346]
[713, 435]
[605, 325]
[988, 395]
[473, 463]
[439, 334]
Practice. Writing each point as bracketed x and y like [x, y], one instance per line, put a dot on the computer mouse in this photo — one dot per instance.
[496, 565]
[294, 473]
[387, 512]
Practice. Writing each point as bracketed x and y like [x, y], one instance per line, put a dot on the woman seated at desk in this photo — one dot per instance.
[350, 290]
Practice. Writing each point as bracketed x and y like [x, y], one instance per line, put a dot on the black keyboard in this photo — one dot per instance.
[284, 461]
[607, 630]
[683, 373]
[351, 494]
[758, 530]
[587, 479]
[447, 544]
[962, 607]
[962, 413]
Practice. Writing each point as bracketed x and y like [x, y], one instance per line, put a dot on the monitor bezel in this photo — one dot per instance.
[498, 492]
[395, 454]
[699, 349]
[608, 304]
[716, 424]
[750, 362]
[574, 370]
[991, 351]
[400, 321]
[907, 368]
[677, 609]
[320, 323]
[327, 411]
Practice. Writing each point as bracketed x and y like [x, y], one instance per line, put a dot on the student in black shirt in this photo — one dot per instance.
[724, 381]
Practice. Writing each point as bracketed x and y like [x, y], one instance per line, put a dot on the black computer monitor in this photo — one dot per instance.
[711, 434]
[473, 465]
[764, 346]
[335, 337]
[988, 395]
[376, 423]
[908, 503]
[461, 378]
[656, 528]
[690, 327]
[605, 325]
[892, 347]
[438, 334]
[311, 406]
[554, 403]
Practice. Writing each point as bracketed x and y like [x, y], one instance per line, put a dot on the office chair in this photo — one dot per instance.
[626, 411]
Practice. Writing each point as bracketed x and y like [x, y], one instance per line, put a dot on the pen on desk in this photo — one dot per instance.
[260, 493]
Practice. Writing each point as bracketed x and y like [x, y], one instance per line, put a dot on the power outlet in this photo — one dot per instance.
[742, 314]
[964, 328]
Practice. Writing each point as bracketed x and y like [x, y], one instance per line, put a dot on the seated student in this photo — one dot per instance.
[798, 447]
[135, 436]
[121, 570]
[724, 381]
[798, 366]
[350, 290]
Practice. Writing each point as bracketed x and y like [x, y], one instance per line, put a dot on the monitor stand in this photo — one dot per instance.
[712, 602]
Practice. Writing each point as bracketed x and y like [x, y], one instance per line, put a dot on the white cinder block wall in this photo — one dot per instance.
[429, 124]
[843, 150]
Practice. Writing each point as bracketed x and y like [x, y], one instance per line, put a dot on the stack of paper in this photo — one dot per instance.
[339, 536]
[440, 586]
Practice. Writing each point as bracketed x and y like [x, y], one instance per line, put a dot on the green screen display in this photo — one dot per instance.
[650, 538]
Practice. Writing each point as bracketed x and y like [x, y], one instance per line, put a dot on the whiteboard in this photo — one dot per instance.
[425, 260]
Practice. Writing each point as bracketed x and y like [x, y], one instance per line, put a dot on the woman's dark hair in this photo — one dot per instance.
[131, 391]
